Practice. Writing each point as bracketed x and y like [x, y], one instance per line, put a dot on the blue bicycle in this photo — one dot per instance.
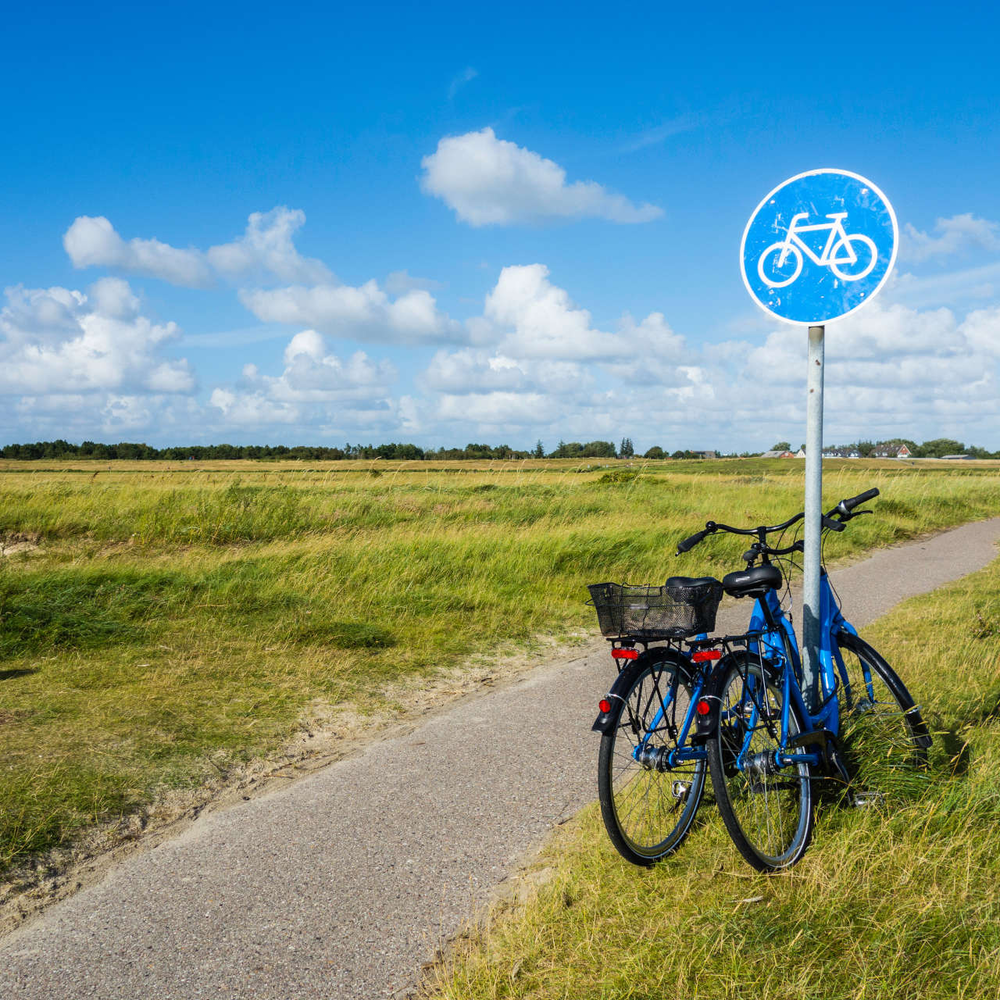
[735, 705]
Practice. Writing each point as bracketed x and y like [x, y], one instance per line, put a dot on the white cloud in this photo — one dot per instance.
[969, 285]
[960, 232]
[93, 242]
[528, 316]
[498, 411]
[264, 252]
[472, 371]
[266, 249]
[315, 388]
[490, 181]
[56, 340]
[365, 313]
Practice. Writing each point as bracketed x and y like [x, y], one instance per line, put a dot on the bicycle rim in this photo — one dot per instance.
[767, 809]
[647, 811]
[883, 737]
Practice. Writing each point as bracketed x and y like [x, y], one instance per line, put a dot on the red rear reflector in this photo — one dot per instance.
[604, 705]
[703, 707]
[625, 654]
[706, 654]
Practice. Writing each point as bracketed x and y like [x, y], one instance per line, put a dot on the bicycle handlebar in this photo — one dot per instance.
[834, 520]
[690, 543]
[846, 506]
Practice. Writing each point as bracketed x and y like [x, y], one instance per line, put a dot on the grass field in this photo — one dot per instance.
[900, 901]
[165, 622]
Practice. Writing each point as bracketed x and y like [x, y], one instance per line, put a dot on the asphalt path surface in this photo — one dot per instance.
[344, 883]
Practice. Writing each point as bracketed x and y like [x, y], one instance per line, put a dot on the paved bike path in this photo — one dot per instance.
[344, 883]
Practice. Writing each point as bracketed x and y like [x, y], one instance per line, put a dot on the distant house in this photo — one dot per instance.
[954, 458]
[890, 451]
[840, 453]
[801, 453]
[706, 454]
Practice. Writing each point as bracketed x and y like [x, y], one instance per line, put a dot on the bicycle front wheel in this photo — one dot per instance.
[765, 803]
[861, 249]
[648, 805]
[883, 736]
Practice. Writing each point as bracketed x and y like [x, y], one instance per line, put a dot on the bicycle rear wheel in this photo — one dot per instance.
[767, 808]
[648, 808]
[883, 737]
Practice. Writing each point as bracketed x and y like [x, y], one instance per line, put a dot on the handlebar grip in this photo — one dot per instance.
[690, 543]
[861, 498]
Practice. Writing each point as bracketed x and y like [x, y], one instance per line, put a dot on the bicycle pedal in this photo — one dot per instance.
[866, 800]
[680, 789]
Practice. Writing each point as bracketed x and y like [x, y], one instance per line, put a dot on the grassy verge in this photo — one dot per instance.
[897, 902]
[174, 622]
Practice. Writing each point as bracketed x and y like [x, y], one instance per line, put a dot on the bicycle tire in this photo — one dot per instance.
[846, 242]
[883, 736]
[767, 810]
[781, 247]
[648, 812]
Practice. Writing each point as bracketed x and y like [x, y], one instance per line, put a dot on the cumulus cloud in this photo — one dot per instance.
[473, 371]
[315, 388]
[266, 249]
[960, 232]
[490, 181]
[264, 252]
[891, 369]
[56, 340]
[540, 360]
[93, 242]
[528, 316]
[365, 313]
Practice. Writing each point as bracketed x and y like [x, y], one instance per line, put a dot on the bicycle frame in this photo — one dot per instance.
[778, 643]
[836, 229]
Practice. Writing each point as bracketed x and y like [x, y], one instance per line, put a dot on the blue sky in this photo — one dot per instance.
[445, 224]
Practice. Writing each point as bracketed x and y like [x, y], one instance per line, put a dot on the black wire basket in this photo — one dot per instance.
[681, 607]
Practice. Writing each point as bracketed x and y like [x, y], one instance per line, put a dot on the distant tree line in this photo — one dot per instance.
[393, 451]
[399, 452]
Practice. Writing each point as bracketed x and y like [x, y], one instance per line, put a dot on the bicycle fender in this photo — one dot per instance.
[623, 683]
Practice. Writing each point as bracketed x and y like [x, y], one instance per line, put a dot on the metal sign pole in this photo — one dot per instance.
[813, 525]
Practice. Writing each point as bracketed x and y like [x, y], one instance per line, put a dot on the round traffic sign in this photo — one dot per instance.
[819, 246]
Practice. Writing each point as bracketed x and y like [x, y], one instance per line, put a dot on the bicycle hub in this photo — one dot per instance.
[654, 758]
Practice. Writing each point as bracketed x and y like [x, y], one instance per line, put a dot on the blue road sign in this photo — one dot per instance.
[819, 246]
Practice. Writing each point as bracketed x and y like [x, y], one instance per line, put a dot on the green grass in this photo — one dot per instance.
[178, 621]
[894, 902]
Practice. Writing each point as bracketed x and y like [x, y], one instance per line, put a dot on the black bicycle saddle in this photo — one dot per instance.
[752, 582]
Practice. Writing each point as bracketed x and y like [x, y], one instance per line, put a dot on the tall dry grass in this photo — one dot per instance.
[175, 621]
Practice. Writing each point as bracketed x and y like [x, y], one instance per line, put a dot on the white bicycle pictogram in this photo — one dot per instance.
[839, 254]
